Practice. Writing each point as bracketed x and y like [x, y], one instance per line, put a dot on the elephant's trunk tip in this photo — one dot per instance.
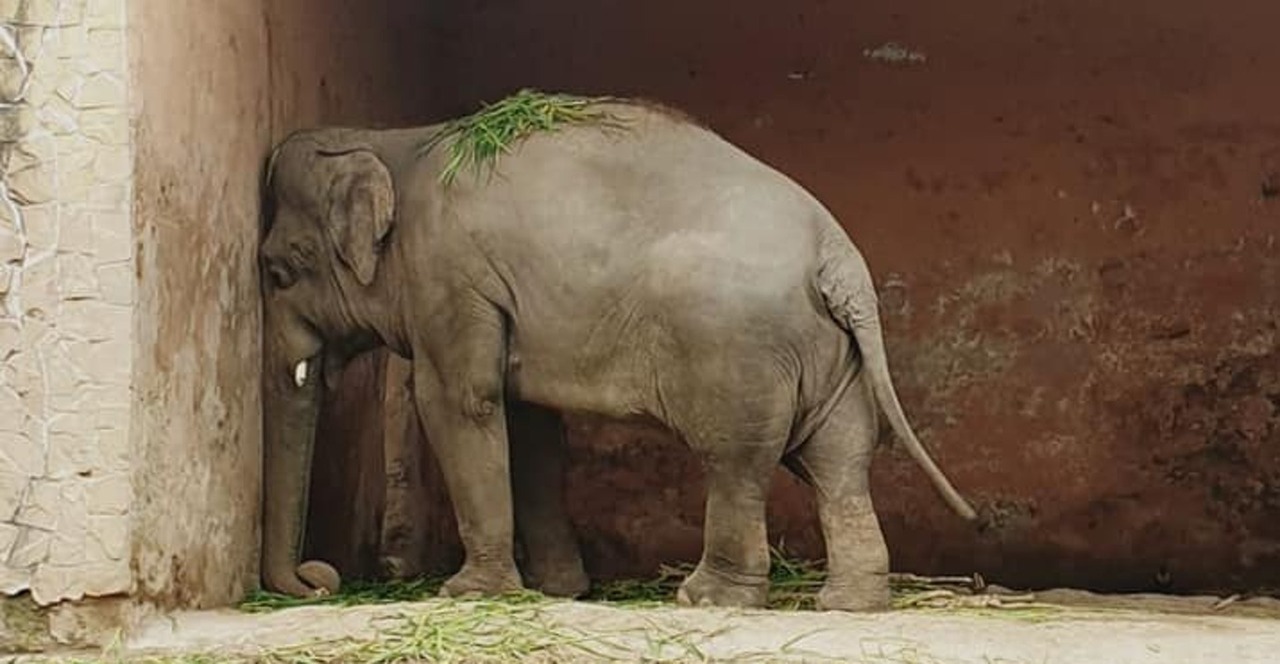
[321, 576]
[310, 579]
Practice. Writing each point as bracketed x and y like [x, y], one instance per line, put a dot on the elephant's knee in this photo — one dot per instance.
[481, 410]
[480, 403]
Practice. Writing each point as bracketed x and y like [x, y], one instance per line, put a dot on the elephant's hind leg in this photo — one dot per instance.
[553, 561]
[734, 569]
[741, 445]
[836, 461]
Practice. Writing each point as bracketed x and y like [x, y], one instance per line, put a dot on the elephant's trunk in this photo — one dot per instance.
[290, 408]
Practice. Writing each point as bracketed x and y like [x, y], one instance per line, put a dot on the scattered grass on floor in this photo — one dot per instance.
[1031, 613]
[165, 659]
[794, 585]
[514, 628]
[511, 629]
[351, 594]
[480, 138]
[461, 631]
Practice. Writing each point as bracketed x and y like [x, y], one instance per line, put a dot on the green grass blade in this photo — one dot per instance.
[478, 140]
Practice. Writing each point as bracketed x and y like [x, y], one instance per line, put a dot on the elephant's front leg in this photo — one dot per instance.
[459, 391]
[553, 562]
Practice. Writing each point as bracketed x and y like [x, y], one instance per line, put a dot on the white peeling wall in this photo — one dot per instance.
[66, 299]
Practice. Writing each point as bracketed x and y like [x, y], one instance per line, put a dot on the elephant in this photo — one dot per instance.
[640, 269]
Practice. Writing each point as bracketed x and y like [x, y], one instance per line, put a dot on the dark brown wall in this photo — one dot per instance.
[1071, 211]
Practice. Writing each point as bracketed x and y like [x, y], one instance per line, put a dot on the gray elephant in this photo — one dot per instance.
[655, 271]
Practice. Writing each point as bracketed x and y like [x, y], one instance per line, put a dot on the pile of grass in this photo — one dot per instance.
[480, 138]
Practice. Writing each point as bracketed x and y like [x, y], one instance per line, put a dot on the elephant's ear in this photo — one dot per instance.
[361, 207]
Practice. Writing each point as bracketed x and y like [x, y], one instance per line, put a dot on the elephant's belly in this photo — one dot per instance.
[602, 389]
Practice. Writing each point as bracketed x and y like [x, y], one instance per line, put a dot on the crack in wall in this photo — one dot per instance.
[11, 278]
[11, 275]
[9, 40]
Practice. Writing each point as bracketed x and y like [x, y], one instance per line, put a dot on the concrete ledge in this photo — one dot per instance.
[1071, 635]
[26, 627]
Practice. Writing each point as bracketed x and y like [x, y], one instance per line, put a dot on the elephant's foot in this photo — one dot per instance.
[487, 581]
[556, 571]
[395, 568]
[709, 587]
[571, 584]
[864, 594]
[568, 580]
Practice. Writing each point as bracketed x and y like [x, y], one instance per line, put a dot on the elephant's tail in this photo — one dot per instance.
[845, 284]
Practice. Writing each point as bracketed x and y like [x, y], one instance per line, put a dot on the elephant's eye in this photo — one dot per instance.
[281, 276]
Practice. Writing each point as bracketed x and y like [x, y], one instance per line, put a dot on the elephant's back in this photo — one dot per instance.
[662, 209]
[656, 176]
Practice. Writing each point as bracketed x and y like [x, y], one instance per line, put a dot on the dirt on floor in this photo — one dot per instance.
[1061, 627]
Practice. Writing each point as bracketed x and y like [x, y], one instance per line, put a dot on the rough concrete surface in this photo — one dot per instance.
[197, 418]
[1074, 636]
[66, 300]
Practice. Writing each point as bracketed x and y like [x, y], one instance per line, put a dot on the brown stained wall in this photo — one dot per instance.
[214, 87]
[1071, 211]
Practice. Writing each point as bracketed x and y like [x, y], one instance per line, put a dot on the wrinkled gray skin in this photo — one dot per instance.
[654, 272]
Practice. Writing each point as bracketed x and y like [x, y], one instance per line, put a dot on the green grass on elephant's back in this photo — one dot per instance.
[479, 139]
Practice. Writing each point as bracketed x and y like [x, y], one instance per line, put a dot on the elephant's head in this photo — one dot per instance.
[330, 208]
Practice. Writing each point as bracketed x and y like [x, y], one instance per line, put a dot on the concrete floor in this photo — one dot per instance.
[1078, 628]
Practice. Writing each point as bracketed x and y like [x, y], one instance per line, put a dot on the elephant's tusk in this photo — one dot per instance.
[300, 374]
